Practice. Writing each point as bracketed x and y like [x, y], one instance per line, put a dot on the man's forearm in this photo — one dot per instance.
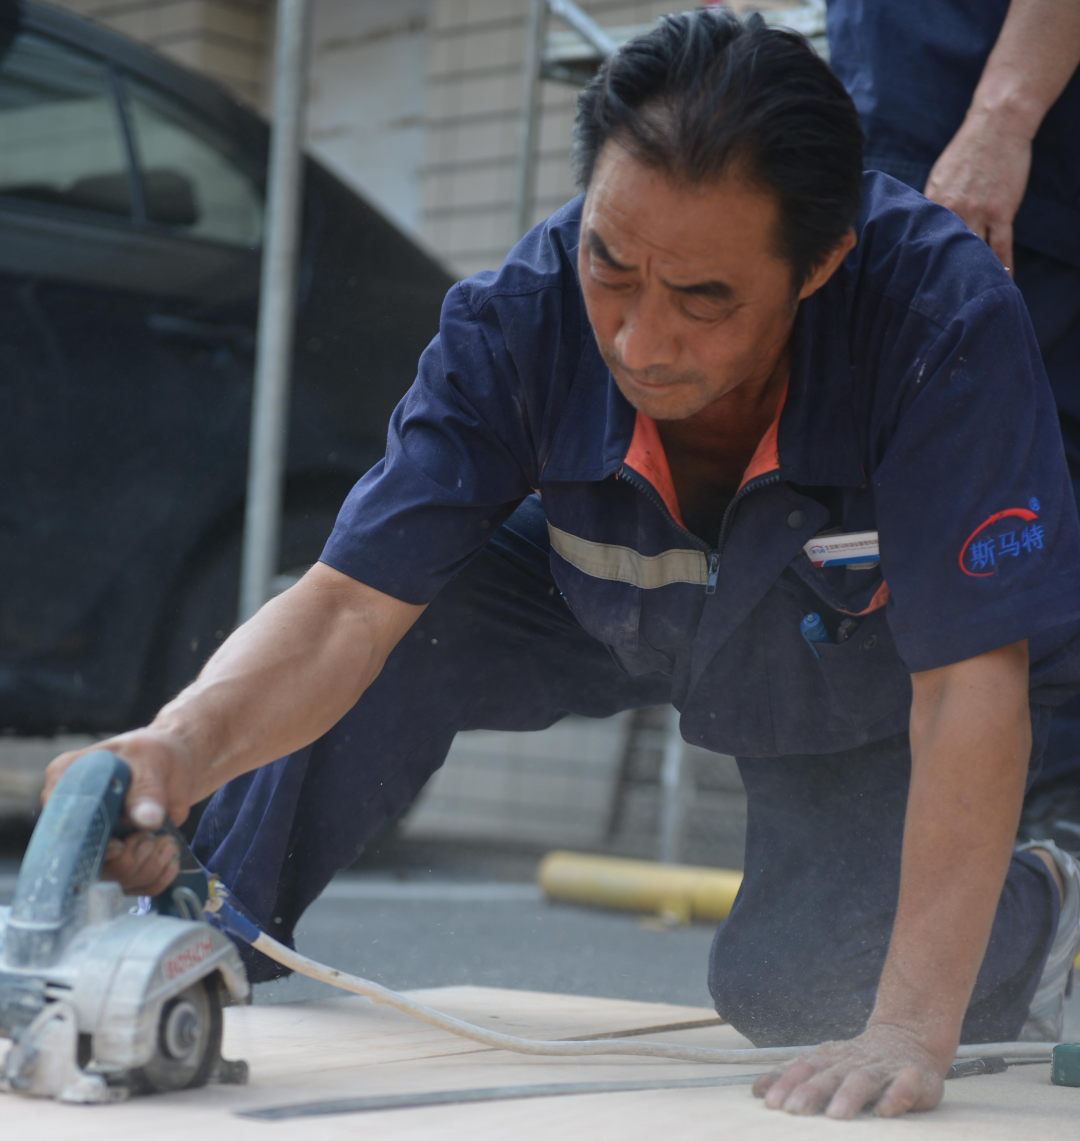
[286, 676]
[1036, 53]
[970, 744]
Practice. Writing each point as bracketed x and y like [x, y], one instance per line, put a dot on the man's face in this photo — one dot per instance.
[683, 290]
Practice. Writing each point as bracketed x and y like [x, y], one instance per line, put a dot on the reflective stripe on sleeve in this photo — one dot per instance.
[624, 564]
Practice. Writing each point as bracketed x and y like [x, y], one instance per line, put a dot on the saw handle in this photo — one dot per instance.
[191, 876]
[64, 858]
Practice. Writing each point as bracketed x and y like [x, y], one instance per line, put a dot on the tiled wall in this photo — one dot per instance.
[474, 91]
[365, 112]
[228, 40]
[473, 96]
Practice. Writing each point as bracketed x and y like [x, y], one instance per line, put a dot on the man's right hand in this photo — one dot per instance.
[162, 784]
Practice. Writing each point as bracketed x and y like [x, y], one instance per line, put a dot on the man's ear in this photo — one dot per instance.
[828, 265]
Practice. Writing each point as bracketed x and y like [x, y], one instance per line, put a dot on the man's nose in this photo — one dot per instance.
[645, 338]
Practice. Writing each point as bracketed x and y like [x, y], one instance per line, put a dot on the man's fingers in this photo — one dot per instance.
[56, 769]
[1000, 240]
[788, 1080]
[154, 793]
[144, 864]
[855, 1092]
[814, 1094]
[147, 811]
[764, 1083]
[147, 795]
[910, 1089]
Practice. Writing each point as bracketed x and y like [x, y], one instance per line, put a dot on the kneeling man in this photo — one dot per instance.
[741, 429]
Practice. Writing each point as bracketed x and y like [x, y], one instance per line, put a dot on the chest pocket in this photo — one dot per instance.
[848, 590]
[864, 675]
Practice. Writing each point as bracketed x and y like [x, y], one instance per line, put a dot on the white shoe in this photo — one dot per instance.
[1046, 1015]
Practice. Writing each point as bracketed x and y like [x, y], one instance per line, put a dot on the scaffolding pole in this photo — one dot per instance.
[536, 21]
[673, 782]
[277, 304]
[529, 116]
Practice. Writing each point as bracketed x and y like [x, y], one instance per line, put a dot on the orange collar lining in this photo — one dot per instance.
[647, 457]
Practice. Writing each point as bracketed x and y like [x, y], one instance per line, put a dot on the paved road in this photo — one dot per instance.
[416, 915]
[493, 934]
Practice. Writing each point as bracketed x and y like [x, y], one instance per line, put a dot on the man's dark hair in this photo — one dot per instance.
[703, 94]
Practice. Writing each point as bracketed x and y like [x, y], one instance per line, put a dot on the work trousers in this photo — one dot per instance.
[1051, 291]
[799, 957]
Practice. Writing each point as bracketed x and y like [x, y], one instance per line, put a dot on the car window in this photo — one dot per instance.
[193, 177]
[61, 142]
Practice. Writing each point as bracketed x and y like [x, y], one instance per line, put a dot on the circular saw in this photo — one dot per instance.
[101, 999]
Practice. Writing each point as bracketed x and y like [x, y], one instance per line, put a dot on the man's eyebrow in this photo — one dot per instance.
[713, 290]
[597, 247]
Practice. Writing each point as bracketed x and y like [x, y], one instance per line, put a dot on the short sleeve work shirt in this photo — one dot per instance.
[917, 410]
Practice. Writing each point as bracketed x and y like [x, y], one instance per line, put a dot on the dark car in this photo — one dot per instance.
[131, 214]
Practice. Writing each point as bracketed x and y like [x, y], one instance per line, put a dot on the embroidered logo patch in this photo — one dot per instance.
[858, 550]
[1001, 537]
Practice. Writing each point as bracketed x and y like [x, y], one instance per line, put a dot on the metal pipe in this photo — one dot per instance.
[585, 26]
[528, 117]
[277, 298]
[672, 797]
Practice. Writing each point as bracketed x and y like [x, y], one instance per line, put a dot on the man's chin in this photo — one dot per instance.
[662, 401]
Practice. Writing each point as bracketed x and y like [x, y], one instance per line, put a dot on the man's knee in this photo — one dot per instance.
[776, 992]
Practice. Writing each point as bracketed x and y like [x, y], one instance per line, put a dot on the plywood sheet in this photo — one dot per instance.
[347, 1047]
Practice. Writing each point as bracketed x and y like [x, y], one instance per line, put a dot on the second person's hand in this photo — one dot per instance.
[981, 176]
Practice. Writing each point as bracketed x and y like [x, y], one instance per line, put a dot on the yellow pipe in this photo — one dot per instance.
[675, 891]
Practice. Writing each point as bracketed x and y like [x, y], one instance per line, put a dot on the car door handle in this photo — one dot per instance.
[239, 337]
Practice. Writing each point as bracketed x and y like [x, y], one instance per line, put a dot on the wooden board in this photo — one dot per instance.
[347, 1048]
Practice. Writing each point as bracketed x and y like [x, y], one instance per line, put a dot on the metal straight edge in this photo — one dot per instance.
[498, 1093]
[277, 303]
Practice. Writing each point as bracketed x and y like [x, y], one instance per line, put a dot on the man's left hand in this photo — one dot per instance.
[886, 1066]
[981, 176]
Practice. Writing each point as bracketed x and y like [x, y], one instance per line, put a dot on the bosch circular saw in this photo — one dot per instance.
[102, 1000]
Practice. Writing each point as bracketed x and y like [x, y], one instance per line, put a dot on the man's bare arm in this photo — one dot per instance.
[279, 682]
[970, 746]
[983, 172]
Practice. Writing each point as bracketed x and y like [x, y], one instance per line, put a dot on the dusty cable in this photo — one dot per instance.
[756, 1056]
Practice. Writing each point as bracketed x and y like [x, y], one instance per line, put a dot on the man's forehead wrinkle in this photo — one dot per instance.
[621, 235]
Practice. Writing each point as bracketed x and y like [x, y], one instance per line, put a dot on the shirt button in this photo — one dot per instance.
[796, 519]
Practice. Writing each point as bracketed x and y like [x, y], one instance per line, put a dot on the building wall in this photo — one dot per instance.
[365, 114]
[228, 40]
[473, 97]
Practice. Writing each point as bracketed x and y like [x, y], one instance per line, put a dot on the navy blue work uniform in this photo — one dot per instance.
[911, 70]
[533, 508]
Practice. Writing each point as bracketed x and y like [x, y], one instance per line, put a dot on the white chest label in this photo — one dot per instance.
[855, 550]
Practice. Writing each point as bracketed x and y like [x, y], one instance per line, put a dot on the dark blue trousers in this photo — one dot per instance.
[1051, 290]
[799, 957]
